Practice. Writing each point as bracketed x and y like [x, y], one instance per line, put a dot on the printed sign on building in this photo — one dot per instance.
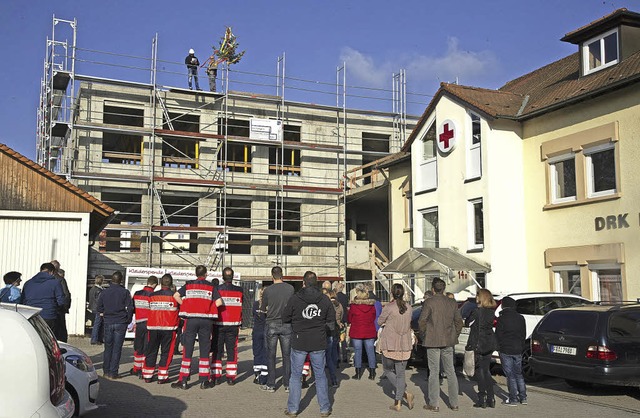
[265, 129]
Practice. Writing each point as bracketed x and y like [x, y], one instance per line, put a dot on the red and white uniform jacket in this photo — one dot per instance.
[199, 299]
[163, 311]
[231, 312]
[141, 303]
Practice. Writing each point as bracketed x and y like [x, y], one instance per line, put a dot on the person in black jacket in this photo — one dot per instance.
[96, 321]
[511, 333]
[311, 315]
[116, 307]
[192, 63]
[482, 340]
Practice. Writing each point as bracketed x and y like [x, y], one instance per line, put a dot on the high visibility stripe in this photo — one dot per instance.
[147, 372]
[227, 323]
[185, 369]
[141, 320]
[196, 315]
[161, 328]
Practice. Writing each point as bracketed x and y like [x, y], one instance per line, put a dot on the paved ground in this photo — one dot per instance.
[131, 397]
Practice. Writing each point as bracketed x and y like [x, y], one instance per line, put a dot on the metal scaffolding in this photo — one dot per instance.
[179, 164]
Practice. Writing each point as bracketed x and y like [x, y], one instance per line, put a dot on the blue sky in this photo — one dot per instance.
[479, 43]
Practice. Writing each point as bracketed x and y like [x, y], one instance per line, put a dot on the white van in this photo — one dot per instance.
[32, 365]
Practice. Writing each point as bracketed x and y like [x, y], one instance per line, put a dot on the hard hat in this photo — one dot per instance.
[191, 51]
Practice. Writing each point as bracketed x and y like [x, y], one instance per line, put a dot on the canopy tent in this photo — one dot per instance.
[443, 260]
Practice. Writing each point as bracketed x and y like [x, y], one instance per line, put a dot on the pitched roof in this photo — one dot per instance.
[546, 89]
[100, 207]
[610, 21]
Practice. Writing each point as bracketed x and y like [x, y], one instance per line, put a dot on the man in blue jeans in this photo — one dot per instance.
[511, 332]
[274, 299]
[116, 307]
[311, 315]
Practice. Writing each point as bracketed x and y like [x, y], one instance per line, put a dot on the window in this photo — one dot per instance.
[574, 323]
[373, 143]
[180, 152]
[601, 170]
[481, 279]
[283, 160]
[582, 167]
[128, 208]
[179, 211]
[476, 225]
[428, 169]
[625, 324]
[474, 154]
[430, 234]
[235, 157]
[408, 206]
[567, 280]
[563, 178]
[600, 52]
[236, 215]
[606, 283]
[284, 216]
[429, 144]
[122, 148]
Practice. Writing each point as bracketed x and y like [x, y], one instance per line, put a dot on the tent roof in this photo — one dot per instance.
[423, 260]
[418, 260]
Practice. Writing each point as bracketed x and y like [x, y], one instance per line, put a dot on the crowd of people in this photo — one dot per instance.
[47, 290]
[310, 325]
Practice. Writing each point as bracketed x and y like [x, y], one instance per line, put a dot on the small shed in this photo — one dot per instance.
[44, 217]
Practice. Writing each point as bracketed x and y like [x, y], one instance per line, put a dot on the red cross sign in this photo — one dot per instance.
[447, 136]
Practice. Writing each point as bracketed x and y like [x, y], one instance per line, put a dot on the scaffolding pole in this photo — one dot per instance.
[282, 189]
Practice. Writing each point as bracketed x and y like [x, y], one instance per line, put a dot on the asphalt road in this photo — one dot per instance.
[131, 397]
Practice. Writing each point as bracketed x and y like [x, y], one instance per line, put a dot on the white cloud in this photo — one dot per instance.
[470, 67]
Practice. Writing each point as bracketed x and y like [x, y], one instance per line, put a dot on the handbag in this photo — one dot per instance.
[469, 364]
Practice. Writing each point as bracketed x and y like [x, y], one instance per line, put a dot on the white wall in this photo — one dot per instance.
[28, 239]
[500, 187]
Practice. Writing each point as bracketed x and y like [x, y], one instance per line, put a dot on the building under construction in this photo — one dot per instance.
[248, 180]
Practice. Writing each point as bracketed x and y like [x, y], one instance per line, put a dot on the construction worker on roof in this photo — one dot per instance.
[192, 63]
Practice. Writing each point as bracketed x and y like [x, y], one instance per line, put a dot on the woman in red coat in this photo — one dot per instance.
[362, 317]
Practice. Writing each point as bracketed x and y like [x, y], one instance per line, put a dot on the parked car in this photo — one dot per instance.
[589, 344]
[32, 365]
[81, 379]
[532, 306]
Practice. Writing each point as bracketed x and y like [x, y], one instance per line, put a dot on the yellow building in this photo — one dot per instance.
[536, 178]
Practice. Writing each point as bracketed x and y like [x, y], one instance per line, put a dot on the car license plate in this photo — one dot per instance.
[560, 349]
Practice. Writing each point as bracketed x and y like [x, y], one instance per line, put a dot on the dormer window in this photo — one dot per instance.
[600, 52]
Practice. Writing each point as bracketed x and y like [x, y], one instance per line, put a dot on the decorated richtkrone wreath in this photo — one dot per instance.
[227, 50]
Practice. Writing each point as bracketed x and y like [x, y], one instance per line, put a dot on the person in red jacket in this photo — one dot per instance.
[161, 325]
[227, 328]
[199, 301]
[141, 311]
[362, 317]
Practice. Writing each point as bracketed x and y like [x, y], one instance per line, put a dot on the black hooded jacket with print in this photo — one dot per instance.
[311, 315]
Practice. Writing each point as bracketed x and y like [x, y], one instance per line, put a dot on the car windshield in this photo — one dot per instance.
[573, 323]
[625, 324]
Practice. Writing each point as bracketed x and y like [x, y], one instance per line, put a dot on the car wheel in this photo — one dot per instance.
[576, 384]
[527, 371]
[76, 400]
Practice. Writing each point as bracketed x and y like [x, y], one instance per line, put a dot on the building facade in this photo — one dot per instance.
[227, 178]
[537, 178]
